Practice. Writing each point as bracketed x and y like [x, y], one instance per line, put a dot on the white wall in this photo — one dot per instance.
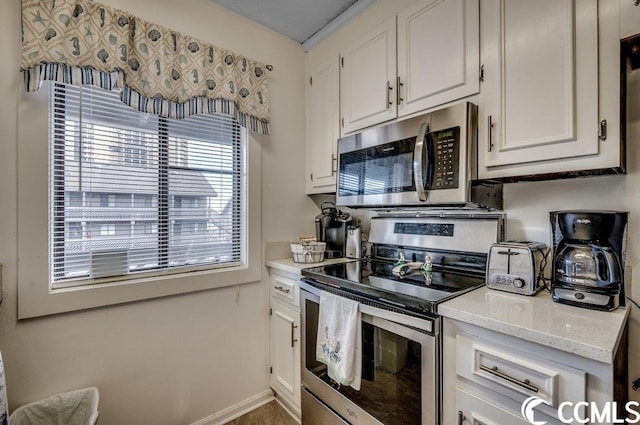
[178, 359]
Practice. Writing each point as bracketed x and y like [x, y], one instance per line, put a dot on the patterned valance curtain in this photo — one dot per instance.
[158, 71]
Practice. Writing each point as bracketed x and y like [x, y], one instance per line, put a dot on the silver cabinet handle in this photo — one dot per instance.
[281, 289]
[399, 98]
[496, 372]
[490, 131]
[389, 89]
[461, 417]
[293, 340]
[334, 160]
[602, 129]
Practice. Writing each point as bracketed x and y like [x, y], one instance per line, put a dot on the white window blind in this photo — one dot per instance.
[133, 193]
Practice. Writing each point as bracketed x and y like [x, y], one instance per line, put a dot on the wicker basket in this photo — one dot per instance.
[308, 252]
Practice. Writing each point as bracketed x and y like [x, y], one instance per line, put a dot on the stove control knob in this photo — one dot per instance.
[518, 282]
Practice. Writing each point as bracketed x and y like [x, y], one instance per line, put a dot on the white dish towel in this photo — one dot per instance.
[339, 343]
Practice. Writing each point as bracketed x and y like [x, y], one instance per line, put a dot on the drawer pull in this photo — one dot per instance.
[293, 340]
[281, 289]
[496, 372]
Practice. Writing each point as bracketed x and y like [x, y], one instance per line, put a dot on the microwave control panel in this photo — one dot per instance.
[446, 148]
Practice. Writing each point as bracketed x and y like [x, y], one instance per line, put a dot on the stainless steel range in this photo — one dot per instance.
[419, 259]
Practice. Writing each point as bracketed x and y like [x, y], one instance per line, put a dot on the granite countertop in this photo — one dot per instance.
[288, 265]
[586, 333]
[277, 255]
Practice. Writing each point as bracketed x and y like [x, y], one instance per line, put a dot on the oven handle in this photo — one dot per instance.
[430, 326]
[418, 166]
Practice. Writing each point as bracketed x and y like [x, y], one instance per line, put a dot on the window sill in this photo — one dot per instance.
[39, 301]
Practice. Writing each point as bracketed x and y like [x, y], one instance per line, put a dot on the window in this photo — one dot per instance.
[108, 229]
[107, 200]
[154, 195]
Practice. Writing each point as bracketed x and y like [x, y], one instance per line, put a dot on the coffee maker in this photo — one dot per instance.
[331, 227]
[588, 258]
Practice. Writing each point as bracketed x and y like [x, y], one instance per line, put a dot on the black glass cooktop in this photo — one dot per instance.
[374, 279]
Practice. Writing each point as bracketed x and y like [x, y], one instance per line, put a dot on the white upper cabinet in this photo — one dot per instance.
[323, 127]
[437, 61]
[368, 78]
[539, 94]
[438, 53]
[540, 102]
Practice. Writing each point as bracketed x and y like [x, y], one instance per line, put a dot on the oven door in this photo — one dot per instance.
[400, 369]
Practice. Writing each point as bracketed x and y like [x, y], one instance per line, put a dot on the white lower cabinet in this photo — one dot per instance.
[285, 354]
[491, 378]
[284, 341]
[475, 411]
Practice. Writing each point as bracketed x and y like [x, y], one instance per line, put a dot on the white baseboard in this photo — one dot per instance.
[291, 412]
[237, 410]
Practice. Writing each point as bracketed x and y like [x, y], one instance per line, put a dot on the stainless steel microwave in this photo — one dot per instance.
[425, 160]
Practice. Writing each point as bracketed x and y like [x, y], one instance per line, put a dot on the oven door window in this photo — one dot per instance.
[378, 170]
[391, 389]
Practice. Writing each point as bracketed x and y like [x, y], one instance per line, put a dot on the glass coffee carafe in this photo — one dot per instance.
[587, 264]
[588, 258]
[584, 255]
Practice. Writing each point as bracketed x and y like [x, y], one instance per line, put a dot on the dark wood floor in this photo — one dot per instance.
[269, 414]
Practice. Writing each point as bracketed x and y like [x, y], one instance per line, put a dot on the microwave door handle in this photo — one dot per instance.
[418, 166]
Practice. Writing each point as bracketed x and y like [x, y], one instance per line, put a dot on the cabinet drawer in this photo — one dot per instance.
[471, 410]
[516, 374]
[284, 288]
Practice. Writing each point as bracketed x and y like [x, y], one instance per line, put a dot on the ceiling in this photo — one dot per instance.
[299, 19]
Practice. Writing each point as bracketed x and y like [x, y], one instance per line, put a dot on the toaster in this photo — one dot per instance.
[516, 266]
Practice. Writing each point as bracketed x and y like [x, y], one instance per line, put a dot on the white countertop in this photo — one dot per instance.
[288, 265]
[586, 333]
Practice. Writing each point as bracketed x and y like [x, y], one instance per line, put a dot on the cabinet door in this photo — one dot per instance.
[629, 18]
[368, 78]
[323, 116]
[438, 53]
[285, 353]
[475, 411]
[539, 99]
